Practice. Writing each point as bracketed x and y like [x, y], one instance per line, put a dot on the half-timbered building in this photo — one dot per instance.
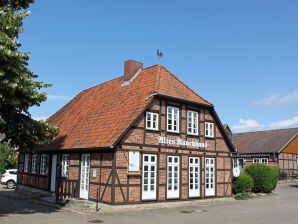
[144, 136]
[272, 147]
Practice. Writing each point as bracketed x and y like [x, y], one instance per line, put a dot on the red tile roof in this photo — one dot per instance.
[263, 141]
[98, 117]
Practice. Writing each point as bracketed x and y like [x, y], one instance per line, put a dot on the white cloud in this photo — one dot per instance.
[275, 100]
[38, 118]
[247, 125]
[56, 97]
[285, 123]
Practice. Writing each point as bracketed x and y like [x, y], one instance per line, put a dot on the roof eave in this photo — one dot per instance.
[182, 100]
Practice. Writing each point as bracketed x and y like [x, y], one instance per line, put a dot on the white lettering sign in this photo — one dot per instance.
[180, 142]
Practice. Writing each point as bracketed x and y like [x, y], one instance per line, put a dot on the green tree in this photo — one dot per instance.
[8, 158]
[19, 89]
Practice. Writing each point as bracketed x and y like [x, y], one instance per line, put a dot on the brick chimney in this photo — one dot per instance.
[131, 69]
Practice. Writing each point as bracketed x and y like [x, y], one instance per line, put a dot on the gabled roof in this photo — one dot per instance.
[263, 141]
[98, 117]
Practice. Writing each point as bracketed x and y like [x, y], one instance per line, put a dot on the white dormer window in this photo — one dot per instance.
[209, 129]
[192, 122]
[151, 121]
[173, 119]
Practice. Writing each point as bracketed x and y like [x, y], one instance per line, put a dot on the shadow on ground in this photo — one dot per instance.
[294, 185]
[12, 203]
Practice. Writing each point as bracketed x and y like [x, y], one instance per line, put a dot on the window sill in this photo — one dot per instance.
[173, 132]
[151, 129]
[193, 135]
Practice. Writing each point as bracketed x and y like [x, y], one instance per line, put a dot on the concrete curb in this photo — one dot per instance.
[88, 207]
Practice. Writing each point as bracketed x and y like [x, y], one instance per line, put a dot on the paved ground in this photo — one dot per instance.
[279, 208]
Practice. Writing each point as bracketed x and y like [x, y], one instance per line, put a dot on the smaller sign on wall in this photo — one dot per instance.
[94, 173]
[134, 162]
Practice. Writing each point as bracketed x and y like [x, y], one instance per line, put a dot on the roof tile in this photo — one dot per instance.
[97, 117]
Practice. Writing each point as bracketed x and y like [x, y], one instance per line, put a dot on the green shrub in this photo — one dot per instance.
[282, 175]
[243, 196]
[243, 183]
[264, 177]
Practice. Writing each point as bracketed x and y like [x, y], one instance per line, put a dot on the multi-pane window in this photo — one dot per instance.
[173, 177]
[194, 176]
[65, 165]
[209, 129]
[43, 163]
[173, 119]
[152, 121]
[241, 163]
[192, 122]
[26, 163]
[33, 167]
[149, 176]
[260, 160]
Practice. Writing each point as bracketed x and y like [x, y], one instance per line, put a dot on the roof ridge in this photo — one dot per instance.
[280, 129]
[102, 83]
[185, 85]
[157, 79]
[113, 79]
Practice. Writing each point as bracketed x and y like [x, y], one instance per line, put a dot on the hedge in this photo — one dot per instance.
[243, 183]
[264, 177]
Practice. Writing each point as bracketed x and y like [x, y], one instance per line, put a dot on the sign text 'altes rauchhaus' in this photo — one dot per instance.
[180, 142]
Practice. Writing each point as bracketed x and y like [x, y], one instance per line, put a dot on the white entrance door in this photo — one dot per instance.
[173, 177]
[149, 177]
[209, 177]
[194, 177]
[85, 174]
[53, 172]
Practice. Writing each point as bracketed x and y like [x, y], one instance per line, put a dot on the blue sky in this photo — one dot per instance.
[240, 55]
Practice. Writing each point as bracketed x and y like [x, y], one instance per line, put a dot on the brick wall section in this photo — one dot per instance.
[148, 143]
[288, 163]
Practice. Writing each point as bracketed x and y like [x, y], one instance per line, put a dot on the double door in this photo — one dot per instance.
[149, 177]
[85, 175]
[194, 177]
[173, 177]
[209, 177]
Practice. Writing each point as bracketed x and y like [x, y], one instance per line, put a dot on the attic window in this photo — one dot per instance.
[151, 121]
[209, 129]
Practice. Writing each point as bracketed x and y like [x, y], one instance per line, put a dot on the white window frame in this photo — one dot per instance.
[210, 191]
[172, 118]
[260, 160]
[33, 163]
[193, 164]
[238, 163]
[173, 162]
[149, 193]
[150, 118]
[192, 122]
[43, 164]
[65, 165]
[26, 163]
[209, 129]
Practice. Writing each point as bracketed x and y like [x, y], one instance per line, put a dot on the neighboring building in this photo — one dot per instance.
[143, 136]
[274, 147]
